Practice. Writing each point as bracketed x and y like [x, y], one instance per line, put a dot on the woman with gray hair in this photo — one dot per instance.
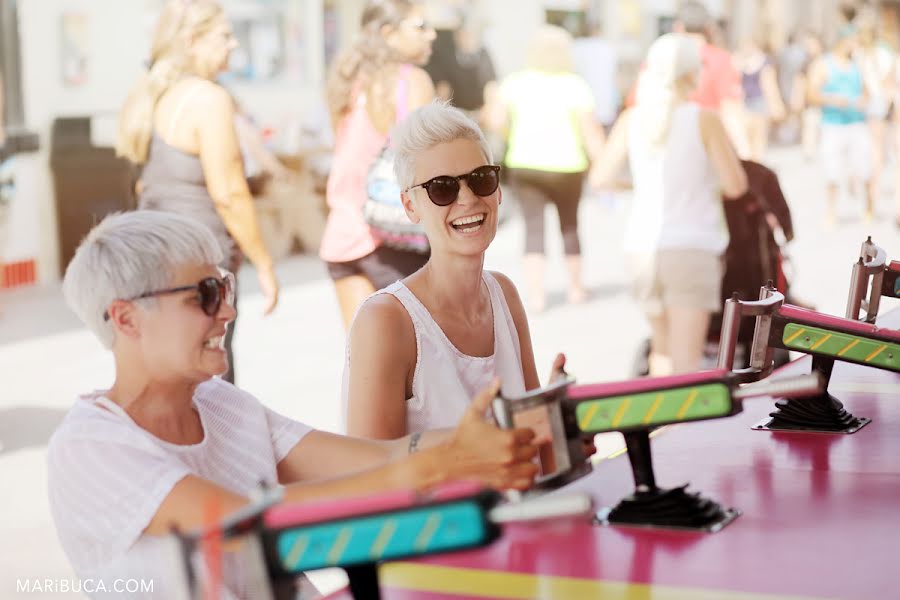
[170, 438]
[420, 347]
[682, 163]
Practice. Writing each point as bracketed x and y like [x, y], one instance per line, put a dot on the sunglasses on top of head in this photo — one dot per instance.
[211, 292]
[444, 189]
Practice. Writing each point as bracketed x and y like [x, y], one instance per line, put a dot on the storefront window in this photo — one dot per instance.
[273, 40]
[260, 32]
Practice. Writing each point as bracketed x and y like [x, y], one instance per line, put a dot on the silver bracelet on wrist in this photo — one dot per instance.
[414, 442]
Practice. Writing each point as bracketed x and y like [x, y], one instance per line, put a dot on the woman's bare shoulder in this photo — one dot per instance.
[190, 103]
[195, 90]
[382, 338]
[506, 284]
[421, 87]
[510, 292]
[384, 306]
[418, 75]
[383, 319]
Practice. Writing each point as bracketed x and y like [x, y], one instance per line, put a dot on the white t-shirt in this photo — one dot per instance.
[677, 203]
[108, 476]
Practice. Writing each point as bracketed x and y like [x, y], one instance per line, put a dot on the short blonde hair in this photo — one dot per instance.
[170, 60]
[550, 50]
[425, 128]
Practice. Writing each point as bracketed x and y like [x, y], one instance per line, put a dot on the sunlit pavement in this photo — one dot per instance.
[293, 359]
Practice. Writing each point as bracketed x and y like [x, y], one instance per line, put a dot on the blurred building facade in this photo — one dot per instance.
[67, 58]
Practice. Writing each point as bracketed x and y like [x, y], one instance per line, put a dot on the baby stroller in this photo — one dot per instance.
[754, 256]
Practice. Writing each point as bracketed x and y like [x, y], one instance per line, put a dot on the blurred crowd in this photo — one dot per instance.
[796, 93]
[559, 126]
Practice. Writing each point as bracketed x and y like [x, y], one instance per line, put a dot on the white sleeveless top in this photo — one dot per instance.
[677, 202]
[445, 379]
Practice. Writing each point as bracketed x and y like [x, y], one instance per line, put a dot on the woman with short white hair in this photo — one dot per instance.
[682, 164]
[419, 347]
[170, 438]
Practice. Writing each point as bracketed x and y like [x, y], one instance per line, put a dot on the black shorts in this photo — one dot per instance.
[382, 267]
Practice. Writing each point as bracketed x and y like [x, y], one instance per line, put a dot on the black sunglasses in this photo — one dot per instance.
[444, 189]
[211, 291]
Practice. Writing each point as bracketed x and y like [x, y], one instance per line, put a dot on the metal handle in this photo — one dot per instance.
[802, 385]
[541, 509]
[502, 413]
[871, 263]
[770, 300]
[731, 325]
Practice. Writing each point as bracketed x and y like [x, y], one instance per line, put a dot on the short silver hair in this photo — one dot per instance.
[425, 128]
[128, 254]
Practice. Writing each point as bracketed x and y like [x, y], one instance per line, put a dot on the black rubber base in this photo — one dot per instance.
[823, 414]
[363, 581]
[673, 508]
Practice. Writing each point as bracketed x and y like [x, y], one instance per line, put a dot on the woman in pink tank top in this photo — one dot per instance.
[374, 84]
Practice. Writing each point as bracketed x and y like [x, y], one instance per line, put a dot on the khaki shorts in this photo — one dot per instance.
[677, 279]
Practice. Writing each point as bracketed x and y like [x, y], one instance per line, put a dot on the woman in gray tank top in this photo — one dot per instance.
[178, 123]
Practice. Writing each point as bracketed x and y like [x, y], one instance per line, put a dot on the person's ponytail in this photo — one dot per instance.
[672, 66]
[655, 104]
[180, 21]
[136, 118]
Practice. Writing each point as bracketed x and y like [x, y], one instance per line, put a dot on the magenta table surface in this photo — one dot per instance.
[821, 516]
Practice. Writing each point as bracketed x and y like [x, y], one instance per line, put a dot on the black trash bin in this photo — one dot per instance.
[90, 182]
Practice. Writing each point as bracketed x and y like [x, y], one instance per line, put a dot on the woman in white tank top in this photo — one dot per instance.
[421, 348]
[682, 163]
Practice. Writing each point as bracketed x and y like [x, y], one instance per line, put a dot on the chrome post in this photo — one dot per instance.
[731, 325]
[857, 282]
[760, 352]
[502, 413]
